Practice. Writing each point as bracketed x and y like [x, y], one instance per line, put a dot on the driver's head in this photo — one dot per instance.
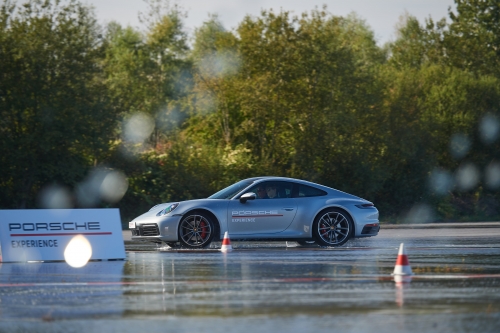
[261, 192]
[271, 191]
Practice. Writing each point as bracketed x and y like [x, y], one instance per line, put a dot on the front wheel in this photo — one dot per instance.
[332, 227]
[196, 230]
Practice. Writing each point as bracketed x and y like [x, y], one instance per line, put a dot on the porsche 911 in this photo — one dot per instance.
[263, 209]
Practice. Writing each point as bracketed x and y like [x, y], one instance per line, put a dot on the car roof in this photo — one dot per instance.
[267, 178]
[328, 189]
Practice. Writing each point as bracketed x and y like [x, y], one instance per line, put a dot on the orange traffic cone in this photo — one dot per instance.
[402, 264]
[226, 244]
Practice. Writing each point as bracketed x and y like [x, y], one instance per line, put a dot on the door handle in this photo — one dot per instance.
[288, 209]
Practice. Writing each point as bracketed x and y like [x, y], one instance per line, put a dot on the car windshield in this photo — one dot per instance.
[231, 190]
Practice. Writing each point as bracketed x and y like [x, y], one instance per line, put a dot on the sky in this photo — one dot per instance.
[381, 15]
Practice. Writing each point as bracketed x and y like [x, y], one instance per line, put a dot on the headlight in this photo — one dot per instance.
[168, 209]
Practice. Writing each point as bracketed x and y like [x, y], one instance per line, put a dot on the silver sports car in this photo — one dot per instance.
[261, 208]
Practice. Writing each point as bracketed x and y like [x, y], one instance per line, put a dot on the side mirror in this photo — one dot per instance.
[248, 196]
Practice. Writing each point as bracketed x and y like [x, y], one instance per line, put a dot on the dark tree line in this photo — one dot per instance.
[412, 126]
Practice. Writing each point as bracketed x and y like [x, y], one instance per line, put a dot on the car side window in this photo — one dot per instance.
[273, 190]
[308, 191]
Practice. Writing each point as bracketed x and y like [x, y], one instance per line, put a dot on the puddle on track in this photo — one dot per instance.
[262, 286]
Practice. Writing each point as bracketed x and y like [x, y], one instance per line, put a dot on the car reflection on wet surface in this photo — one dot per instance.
[267, 286]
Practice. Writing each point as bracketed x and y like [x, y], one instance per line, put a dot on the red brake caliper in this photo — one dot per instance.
[325, 232]
[203, 227]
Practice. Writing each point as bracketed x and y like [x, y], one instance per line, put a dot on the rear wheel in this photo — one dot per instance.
[196, 230]
[332, 227]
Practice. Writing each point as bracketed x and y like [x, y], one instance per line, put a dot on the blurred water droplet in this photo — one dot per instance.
[206, 102]
[87, 192]
[492, 175]
[220, 64]
[440, 181]
[467, 177]
[105, 184]
[168, 119]
[420, 213]
[459, 145]
[55, 197]
[489, 128]
[114, 186]
[138, 128]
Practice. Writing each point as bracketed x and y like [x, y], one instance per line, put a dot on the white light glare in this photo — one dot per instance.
[78, 251]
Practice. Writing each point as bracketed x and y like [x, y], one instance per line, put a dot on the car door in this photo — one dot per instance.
[264, 215]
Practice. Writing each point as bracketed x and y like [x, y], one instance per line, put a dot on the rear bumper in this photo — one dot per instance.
[370, 229]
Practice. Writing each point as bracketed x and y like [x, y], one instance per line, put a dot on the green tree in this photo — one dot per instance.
[470, 41]
[309, 86]
[149, 72]
[418, 45]
[473, 39]
[56, 119]
[440, 87]
[216, 59]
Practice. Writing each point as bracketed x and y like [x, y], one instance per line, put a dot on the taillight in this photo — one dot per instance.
[366, 205]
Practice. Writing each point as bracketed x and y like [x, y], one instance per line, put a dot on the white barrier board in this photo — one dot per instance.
[43, 234]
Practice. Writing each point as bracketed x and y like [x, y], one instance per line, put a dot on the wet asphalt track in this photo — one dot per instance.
[264, 287]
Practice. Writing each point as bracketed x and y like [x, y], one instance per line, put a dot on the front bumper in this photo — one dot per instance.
[146, 230]
[163, 228]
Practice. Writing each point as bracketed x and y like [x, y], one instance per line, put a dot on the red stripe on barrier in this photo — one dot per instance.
[63, 234]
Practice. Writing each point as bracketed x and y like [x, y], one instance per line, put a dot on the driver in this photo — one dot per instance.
[271, 191]
[261, 192]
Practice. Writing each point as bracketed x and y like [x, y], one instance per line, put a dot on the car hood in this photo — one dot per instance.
[184, 206]
[153, 211]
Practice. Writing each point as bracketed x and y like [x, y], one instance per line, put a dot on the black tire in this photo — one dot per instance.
[196, 230]
[332, 227]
